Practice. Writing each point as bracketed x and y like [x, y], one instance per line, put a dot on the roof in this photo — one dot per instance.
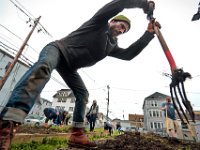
[156, 95]
[63, 90]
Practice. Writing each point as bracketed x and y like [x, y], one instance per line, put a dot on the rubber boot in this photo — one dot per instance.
[79, 139]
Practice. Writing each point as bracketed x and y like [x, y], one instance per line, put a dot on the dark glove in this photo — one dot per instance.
[151, 25]
[150, 6]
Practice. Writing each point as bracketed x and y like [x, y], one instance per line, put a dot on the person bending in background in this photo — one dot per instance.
[57, 116]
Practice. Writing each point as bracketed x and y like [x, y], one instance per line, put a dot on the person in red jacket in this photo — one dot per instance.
[91, 42]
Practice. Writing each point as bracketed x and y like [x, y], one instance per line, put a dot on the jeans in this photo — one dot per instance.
[33, 81]
[92, 121]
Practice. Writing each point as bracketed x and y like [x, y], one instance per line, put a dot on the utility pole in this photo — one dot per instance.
[3, 80]
[108, 102]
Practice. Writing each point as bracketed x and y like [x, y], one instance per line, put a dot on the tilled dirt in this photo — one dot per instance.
[139, 141]
[40, 129]
[130, 141]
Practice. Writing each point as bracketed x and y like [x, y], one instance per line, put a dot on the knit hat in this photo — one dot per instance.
[122, 18]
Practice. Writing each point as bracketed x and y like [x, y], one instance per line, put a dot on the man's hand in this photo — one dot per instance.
[151, 26]
[150, 6]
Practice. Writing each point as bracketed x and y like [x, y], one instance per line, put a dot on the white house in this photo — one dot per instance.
[19, 69]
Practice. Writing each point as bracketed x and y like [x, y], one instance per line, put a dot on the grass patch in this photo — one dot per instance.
[45, 144]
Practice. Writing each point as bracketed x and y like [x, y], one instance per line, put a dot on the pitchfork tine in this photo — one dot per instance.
[175, 106]
[186, 103]
[184, 114]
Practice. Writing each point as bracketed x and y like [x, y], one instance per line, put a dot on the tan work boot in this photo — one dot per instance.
[80, 140]
[7, 132]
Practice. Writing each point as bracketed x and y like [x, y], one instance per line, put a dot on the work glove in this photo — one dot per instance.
[150, 6]
[151, 25]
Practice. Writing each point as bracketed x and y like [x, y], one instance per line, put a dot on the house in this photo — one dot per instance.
[154, 119]
[19, 69]
[38, 108]
[64, 99]
[137, 120]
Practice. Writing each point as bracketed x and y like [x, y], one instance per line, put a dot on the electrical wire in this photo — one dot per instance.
[31, 17]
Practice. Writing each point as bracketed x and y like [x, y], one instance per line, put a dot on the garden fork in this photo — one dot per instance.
[178, 76]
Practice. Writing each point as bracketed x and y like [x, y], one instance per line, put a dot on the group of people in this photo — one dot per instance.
[94, 40]
[172, 127]
[58, 117]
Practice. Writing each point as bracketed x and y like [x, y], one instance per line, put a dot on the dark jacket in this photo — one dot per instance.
[92, 41]
[51, 114]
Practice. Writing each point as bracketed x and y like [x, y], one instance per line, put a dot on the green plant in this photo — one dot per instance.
[46, 143]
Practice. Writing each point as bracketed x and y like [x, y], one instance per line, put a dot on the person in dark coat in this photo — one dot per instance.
[57, 116]
[93, 114]
[108, 127]
[90, 43]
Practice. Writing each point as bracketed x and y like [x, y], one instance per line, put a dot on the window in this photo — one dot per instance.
[150, 114]
[63, 100]
[155, 125]
[72, 100]
[157, 113]
[151, 125]
[152, 103]
[60, 107]
[160, 113]
[154, 114]
[71, 108]
[7, 66]
[156, 103]
[159, 125]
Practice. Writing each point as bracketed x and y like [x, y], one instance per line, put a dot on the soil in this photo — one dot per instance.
[128, 141]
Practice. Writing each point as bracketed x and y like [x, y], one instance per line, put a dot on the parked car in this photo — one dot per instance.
[35, 120]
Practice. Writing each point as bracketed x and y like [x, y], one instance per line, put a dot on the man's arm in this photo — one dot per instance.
[134, 49]
[116, 6]
[163, 107]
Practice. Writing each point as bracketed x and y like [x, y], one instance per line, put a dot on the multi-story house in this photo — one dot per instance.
[64, 99]
[19, 69]
[38, 108]
[154, 119]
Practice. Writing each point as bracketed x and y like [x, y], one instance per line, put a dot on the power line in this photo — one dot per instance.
[10, 32]
[31, 17]
[27, 61]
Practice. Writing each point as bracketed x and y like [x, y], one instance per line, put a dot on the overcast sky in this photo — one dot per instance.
[130, 81]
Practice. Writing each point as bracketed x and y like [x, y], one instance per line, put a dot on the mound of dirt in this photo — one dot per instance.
[151, 141]
[127, 141]
[139, 141]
